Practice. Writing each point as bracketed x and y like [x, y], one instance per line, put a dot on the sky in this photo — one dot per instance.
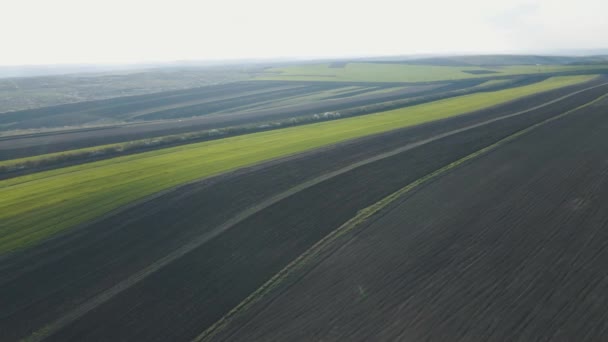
[134, 31]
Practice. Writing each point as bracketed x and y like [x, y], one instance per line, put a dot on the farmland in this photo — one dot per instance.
[111, 121]
[448, 199]
[393, 72]
[213, 107]
[32, 208]
[17, 145]
[61, 127]
[516, 256]
[20, 93]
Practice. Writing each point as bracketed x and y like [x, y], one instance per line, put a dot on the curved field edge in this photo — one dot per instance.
[331, 241]
[37, 206]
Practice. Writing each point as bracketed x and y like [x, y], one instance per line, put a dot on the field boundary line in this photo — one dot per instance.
[362, 216]
[135, 278]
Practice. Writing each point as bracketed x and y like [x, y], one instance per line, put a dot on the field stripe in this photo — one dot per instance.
[35, 207]
[202, 239]
[363, 215]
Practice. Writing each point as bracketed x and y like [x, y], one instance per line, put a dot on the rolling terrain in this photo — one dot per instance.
[352, 87]
[169, 267]
[215, 107]
[313, 171]
[456, 199]
[187, 111]
[510, 246]
[34, 209]
[21, 90]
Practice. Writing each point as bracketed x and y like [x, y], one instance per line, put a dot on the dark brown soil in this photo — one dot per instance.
[177, 302]
[510, 247]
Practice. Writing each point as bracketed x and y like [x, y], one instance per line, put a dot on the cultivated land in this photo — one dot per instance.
[411, 96]
[449, 198]
[167, 269]
[511, 246]
[213, 107]
[147, 122]
[239, 102]
[389, 72]
[37, 206]
[177, 104]
[18, 93]
[314, 98]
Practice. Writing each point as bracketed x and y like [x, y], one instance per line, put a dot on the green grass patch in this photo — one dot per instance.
[36, 206]
[378, 72]
[492, 83]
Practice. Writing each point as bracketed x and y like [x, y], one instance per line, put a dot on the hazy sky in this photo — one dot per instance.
[102, 31]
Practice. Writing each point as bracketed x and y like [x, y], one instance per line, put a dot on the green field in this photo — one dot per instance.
[378, 72]
[36, 206]
[491, 83]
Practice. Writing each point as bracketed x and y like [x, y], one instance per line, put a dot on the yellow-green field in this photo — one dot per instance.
[36, 206]
[371, 72]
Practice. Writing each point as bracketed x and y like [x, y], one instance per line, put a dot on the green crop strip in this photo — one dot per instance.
[324, 245]
[37, 206]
